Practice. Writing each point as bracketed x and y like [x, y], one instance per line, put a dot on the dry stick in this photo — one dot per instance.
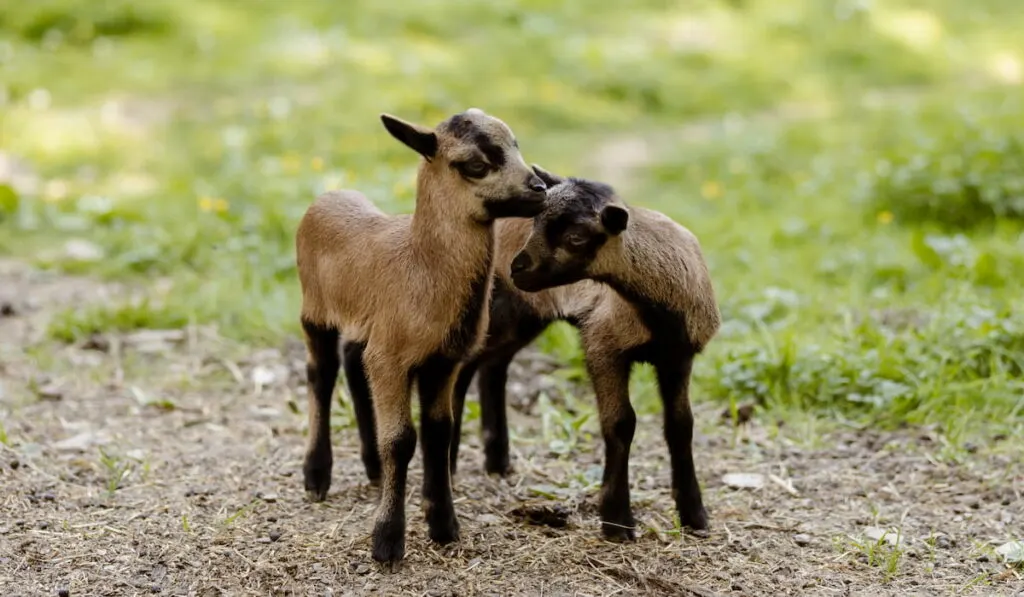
[785, 484]
[649, 581]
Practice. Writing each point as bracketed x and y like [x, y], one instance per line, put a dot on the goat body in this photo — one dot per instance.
[640, 294]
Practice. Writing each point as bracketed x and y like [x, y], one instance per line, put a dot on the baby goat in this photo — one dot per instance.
[636, 285]
[408, 295]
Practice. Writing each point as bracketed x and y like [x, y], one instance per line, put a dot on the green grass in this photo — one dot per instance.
[864, 232]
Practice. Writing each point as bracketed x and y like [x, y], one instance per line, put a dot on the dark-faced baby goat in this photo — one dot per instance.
[636, 285]
[408, 295]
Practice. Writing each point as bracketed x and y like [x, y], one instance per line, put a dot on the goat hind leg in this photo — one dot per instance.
[362, 404]
[674, 386]
[322, 366]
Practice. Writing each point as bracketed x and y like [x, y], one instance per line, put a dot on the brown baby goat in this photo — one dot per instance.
[636, 285]
[409, 297]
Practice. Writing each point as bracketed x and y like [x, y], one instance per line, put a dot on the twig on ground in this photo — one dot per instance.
[649, 582]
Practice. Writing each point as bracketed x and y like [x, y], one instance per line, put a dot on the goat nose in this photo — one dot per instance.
[536, 184]
[520, 263]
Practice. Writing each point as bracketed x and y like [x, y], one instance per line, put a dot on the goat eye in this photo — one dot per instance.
[576, 240]
[476, 168]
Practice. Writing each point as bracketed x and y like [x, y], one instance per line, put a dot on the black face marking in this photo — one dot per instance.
[463, 128]
[494, 153]
[514, 207]
[572, 214]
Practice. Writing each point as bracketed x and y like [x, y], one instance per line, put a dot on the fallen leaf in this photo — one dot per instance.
[743, 480]
[1012, 551]
[879, 534]
[82, 441]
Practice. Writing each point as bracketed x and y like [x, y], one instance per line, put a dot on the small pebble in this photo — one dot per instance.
[50, 392]
[275, 535]
[7, 309]
[96, 342]
[15, 465]
[155, 589]
[943, 542]
[267, 496]
[362, 569]
[802, 539]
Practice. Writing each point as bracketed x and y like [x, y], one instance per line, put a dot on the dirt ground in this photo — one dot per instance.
[166, 462]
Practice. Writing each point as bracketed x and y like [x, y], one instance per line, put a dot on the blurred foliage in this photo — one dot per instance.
[963, 168]
[915, 367]
[183, 139]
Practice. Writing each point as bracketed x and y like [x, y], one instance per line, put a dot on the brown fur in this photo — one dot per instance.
[642, 294]
[661, 259]
[409, 296]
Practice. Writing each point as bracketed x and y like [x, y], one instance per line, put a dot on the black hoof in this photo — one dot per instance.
[498, 466]
[388, 542]
[443, 529]
[696, 520]
[317, 476]
[618, 531]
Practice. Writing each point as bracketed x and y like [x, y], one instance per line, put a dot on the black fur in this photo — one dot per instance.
[463, 335]
[673, 372]
[462, 383]
[668, 327]
[433, 376]
[462, 127]
[389, 533]
[322, 374]
[570, 224]
[671, 352]
[493, 152]
[423, 143]
[359, 389]
[503, 342]
[616, 515]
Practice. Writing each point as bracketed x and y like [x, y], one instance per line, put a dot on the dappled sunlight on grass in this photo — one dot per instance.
[820, 150]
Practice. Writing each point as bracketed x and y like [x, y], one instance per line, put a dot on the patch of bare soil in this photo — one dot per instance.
[171, 463]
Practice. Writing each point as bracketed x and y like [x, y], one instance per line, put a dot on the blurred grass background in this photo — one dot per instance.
[854, 169]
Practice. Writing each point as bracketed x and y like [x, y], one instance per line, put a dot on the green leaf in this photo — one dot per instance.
[986, 270]
[928, 255]
[8, 200]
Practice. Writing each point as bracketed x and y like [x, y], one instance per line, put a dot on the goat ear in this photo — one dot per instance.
[548, 178]
[419, 138]
[614, 218]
